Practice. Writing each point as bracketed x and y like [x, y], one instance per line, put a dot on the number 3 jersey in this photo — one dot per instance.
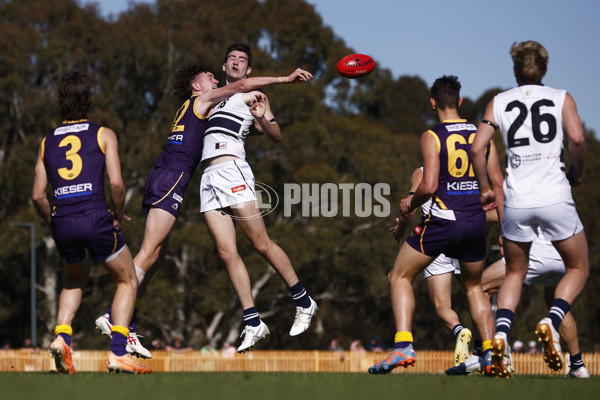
[457, 196]
[74, 159]
[530, 120]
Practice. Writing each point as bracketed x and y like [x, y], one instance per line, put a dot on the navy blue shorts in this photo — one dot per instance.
[165, 189]
[93, 231]
[463, 240]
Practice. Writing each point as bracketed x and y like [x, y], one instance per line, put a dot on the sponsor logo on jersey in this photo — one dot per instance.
[177, 197]
[462, 188]
[175, 206]
[461, 127]
[418, 230]
[177, 139]
[71, 128]
[220, 145]
[81, 189]
[239, 188]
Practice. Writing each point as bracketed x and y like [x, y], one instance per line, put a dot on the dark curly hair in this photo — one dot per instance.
[183, 76]
[446, 92]
[75, 95]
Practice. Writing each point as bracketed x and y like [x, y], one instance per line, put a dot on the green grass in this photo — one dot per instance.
[290, 386]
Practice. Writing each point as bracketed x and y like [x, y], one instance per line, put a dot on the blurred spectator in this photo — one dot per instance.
[517, 346]
[27, 345]
[532, 347]
[335, 345]
[375, 345]
[208, 348]
[178, 345]
[356, 346]
[157, 344]
[228, 350]
[6, 346]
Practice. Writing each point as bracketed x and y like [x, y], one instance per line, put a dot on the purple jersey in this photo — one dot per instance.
[457, 196]
[74, 161]
[183, 150]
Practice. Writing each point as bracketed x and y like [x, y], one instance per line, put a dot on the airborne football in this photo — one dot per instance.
[355, 65]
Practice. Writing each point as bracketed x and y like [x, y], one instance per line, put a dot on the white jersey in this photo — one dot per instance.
[228, 127]
[530, 120]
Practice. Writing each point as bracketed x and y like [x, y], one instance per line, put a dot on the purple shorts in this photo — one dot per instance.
[93, 230]
[165, 189]
[463, 240]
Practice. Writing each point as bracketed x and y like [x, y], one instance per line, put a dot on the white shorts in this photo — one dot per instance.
[546, 268]
[226, 184]
[557, 222]
[442, 265]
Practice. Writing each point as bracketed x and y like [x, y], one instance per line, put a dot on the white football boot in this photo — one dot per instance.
[252, 334]
[303, 318]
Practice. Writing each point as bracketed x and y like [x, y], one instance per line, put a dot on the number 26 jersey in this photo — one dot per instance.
[530, 121]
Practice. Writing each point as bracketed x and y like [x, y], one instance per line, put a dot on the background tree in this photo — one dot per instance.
[335, 130]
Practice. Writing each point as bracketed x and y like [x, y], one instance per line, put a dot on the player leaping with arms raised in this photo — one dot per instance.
[228, 186]
[196, 86]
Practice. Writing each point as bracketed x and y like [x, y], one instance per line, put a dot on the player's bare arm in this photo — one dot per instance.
[574, 129]
[496, 179]
[483, 136]
[264, 120]
[431, 170]
[404, 220]
[40, 183]
[113, 170]
[210, 97]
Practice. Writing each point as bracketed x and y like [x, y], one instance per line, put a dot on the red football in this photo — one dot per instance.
[355, 65]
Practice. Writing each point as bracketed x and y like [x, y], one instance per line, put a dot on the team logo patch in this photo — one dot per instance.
[175, 206]
[220, 145]
[515, 161]
[238, 188]
[177, 197]
[418, 230]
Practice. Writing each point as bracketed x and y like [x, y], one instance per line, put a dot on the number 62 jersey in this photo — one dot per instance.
[530, 121]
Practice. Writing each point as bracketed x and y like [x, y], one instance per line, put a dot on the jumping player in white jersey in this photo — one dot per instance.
[532, 118]
[227, 193]
[196, 87]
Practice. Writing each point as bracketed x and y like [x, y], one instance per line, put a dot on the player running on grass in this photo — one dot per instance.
[532, 119]
[546, 268]
[166, 185]
[73, 159]
[456, 225]
[227, 194]
[438, 278]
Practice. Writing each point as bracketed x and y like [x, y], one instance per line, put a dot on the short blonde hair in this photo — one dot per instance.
[530, 59]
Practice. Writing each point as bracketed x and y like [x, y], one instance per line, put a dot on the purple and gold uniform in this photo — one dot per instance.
[74, 160]
[168, 181]
[455, 224]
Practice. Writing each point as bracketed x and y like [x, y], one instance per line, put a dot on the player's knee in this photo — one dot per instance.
[262, 246]
[228, 254]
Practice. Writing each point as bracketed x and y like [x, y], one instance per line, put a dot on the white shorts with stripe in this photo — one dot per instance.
[442, 265]
[226, 184]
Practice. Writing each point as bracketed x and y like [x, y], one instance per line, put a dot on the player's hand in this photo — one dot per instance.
[399, 228]
[405, 207]
[488, 200]
[299, 75]
[258, 109]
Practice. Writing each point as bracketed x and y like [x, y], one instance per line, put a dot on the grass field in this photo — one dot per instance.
[290, 386]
